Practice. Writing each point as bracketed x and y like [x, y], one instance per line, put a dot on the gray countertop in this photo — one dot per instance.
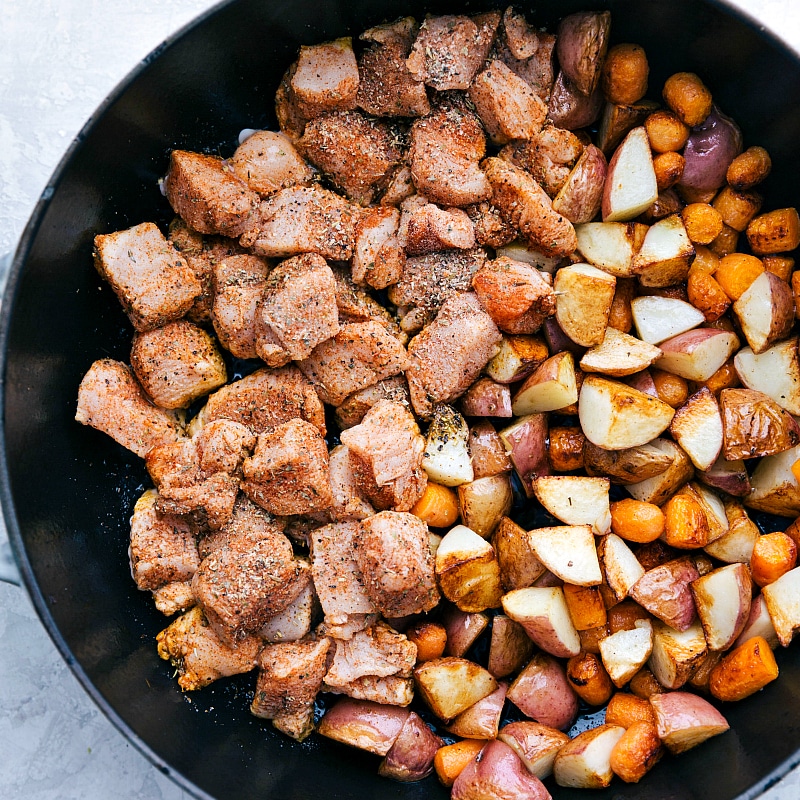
[58, 60]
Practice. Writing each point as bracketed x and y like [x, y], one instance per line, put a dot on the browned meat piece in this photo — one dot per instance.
[208, 195]
[450, 353]
[391, 691]
[291, 120]
[400, 187]
[426, 228]
[357, 154]
[149, 276]
[348, 504]
[352, 410]
[355, 305]
[377, 652]
[300, 527]
[506, 104]
[361, 354]
[202, 253]
[549, 157]
[387, 87]
[303, 219]
[174, 597]
[515, 295]
[522, 39]
[490, 228]
[239, 282]
[429, 280]
[267, 161]
[177, 363]
[378, 258]
[337, 578]
[201, 477]
[326, 78]
[538, 70]
[446, 149]
[290, 676]
[288, 472]
[294, 622]
[199, 655]
[394, 555]
[163, 548]
[111, 400]
[449, 50]
[245, 581]
[266, 398]
[526, 205]
[386, 455]
[297, 310]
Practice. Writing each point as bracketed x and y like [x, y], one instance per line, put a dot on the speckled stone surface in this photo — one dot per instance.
[58, 60]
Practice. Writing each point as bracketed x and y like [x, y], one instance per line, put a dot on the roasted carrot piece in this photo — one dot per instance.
[438, 506]
[624, 709]
[745, 670]
[585, 605]
[636, 752]
[588, 677]
[773, 555]
[636, 520]
[430, 639]
[452, 758]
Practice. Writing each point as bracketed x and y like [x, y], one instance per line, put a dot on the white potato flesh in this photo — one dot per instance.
[575, 500]
[611, 246]
[550, 388]
[723, 599]
[697, 427]
[585, 762]
[697, 354]
[759, 623]
[630, 186]
[569, 552]
[663, 259]
[620, 566]
[765, 311]
[775, 372]
[624, 653]
[451, 685]
[583, 302]
[783, 604]
[446, 457]
[676, 653]
[543, 612]
[660, 488]
[619, 354]
[660, 318]
[774, 486]
[736, 544]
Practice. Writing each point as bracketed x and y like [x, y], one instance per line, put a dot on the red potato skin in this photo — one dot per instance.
[581, 47]
[664, 591]
[582, 195]
[497, 773]
[542, 692]
[569, 108]
[364, 724]
[529, 451]
[411, 756]
[680, 711]
[708, 153]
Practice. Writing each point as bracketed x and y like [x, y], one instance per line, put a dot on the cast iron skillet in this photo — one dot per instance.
[68, 491]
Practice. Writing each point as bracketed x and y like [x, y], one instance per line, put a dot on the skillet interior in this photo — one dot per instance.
[68, 491]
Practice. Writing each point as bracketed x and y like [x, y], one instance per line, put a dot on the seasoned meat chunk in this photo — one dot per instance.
[208, 195]
[239, 282]
[378, 258]
[267, 161]
[297, 310]
[515, 295]
[337, 578]
[522, 39]
[303, 219]
[174, 597]
[386, 455]
[449, 50]
[361, 354]
[243, 582]
[177, 363]
[248, 521]
[291, 120]
[428, 280]
[427, 228]
[447, 146]
[538, 69]
[222, 446]
[387, 88]
[348, 504]
[526, 206]
[391, 691]
[326, 78]
[200, 656]
[352, 410]
[450, 353]
[288, 472]
[290, 675]
[400, 187]
[394, 555]
[111, 400]
[149, 276]
[355, 305]
[294, 622]
[357, 154]
[266, 398]
[490, 227]
[506, 104]
[163, 548]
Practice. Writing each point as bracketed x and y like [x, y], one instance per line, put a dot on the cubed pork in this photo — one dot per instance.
[352, 410]
[326, 78]
[177, 363]
[149, 276]
[294, 622]
[449, 50]
[290, 675]
[175, 597]
[239, 282]
[378, 258]
[361, 354]
[448, 355]
[208, 194]
[515, 295]
[355, 305]
[297, 310]
[521, 38]
[268, 161]
[538, 69]
[163, 547]
[386, 450]
[358, 154]
[111, 400]
[200, 656]
[527, 207]
[303, 219]
[490, 228]
[348, 503]
[447, 146]
[288, 472]
[506, 104]
[266, 398]
[427, 228]
[394, 555]
[400, 186]
[391, 690]
[387, 88]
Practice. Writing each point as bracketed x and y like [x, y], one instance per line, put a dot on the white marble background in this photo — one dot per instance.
[58, 60]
